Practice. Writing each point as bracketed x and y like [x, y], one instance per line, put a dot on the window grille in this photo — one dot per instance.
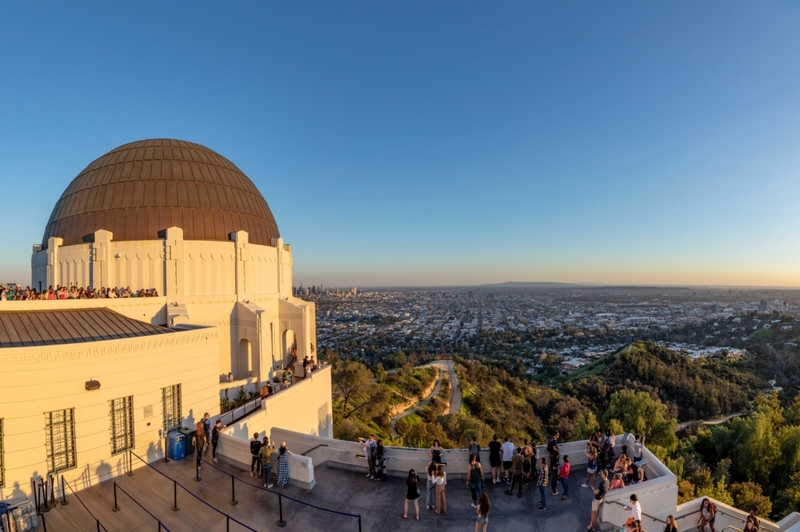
[59, 428]
[171, 404]
[2, 459]
[121, 416]
[323, 422]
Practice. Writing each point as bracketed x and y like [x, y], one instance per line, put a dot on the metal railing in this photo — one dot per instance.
[64, 501]
[116, 507]
[232, 416]
[656, 519]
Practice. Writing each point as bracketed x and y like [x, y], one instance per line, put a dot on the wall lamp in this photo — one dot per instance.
[92, 385]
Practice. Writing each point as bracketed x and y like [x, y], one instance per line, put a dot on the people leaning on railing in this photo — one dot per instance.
[17, 293]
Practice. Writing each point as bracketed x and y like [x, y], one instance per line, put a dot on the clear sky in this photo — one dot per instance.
[422, 143]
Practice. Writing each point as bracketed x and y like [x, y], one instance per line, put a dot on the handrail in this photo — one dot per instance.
[116, 507]
[644, 514]
[732, 528]
[99, 524]
[315, 447]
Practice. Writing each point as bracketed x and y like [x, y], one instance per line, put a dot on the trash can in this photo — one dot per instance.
[188, 434]
[176, 448]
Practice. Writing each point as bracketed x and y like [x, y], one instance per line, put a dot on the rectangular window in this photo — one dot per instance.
[171, 404]
[121, 424]
[2, 457]
[324, 422]
[59, 427]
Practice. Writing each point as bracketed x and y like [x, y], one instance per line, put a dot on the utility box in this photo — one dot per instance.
[176, 445]
[188, 434]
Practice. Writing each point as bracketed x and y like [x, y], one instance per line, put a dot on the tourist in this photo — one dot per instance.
[608, 446]
[754, 516]
[636, 512]
[207, 427]
[708, 514]
[516, 469]
[199, 441]
[638, 446]
[672, 525]
[474, 478]
[218, 426]
[255, 463]
[555, 452]
[283, 465]
[430, 499]
[591, 465]
[636, 526]
[265, 455]
[508, 456]
[484, 507]
[563, 475]
[528, 455]
[599, 495]
[369, 452]
[750, 525]
[412, 493]
[542, 483]
[440, 479]
[436, 452]
[495, 460]
[380, 461]
[617, 482]
[622, 464]
[475, 449]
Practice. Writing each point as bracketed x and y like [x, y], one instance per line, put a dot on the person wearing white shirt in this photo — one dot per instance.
[508, 455]
[636, 512]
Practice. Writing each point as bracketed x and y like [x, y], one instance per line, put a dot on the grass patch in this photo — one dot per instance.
[762, 334]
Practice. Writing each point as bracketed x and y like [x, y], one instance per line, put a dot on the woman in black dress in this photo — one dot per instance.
[412, 482]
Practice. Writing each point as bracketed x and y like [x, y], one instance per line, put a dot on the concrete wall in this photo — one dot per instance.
[42, 379]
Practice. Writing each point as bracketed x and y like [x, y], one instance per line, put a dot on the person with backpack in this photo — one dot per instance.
[265, 455]
[207, 427]
[475, 449]
[380, 461]
[708, 514]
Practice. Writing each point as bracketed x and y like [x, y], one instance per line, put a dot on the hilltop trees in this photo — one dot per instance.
[639, 413]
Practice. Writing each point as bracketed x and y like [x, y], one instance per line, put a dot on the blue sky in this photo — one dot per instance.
[423, 143]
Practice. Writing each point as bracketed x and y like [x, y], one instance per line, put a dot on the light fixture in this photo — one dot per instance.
[92, 385]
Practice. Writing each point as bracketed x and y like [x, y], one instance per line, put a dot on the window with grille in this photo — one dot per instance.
[59, 427]
[171, 404]
[121, 416]
[2, 460]
[323, 422]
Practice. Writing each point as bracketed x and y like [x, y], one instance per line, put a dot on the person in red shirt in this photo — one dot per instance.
[563, 474]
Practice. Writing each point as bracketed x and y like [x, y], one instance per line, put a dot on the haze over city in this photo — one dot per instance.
[437, 144]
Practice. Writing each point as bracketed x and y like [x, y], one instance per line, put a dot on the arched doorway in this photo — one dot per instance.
[289, 345]
[245, 359]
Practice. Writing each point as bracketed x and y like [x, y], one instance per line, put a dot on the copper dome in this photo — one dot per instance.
[139, 189]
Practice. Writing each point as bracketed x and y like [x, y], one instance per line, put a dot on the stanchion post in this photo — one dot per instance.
[197, 471]
[43, 488]
[359, 522]
[281, 523]
[233, 491]
[53, 491]
[36, 497]
[44, 524]
[159, 526]
[166, 443]
[175, 506]
[64, 500]
[98, 524]
[116, 507]
[227, 523]
[130, 462]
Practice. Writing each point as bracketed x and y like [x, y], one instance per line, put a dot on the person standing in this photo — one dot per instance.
[369, 453]
[430, 500]
[412, 493]
[283, 465]
[475, 449]
[265, 455]
[255, 462]
[542, 483]
[440, 479]
[495, 460]
[218, 426]
[638, 447]
[599, 495]
[527, 464]
[708, 514]
[508, 456]
[563, 475]
[484, 507]
[591, 466]
[199, 441]
[436, 452]
[555, 453]
[475, 479]
[207, 428]
[517, 464]
[380, 461]
[636, 512]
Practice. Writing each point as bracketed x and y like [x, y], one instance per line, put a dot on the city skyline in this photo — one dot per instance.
[438, 145]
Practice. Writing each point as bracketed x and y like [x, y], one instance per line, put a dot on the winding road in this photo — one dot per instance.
[455, 397]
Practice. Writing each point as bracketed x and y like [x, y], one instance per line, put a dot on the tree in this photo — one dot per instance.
[380, 373]
[585, 425]
[748, 495]
[641, 414]
[352, 382]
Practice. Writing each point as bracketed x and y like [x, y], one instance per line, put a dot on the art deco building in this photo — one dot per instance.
[85, 379]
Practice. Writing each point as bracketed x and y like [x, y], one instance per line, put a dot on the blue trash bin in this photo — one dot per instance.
[176, 445]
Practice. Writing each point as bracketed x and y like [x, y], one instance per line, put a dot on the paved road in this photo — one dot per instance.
[419, 405]
[712, 421]
[455, 386]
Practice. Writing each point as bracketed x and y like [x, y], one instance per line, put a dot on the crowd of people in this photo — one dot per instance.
[17, 293]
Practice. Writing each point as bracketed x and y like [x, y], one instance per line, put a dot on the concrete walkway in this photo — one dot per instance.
[380, 504]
